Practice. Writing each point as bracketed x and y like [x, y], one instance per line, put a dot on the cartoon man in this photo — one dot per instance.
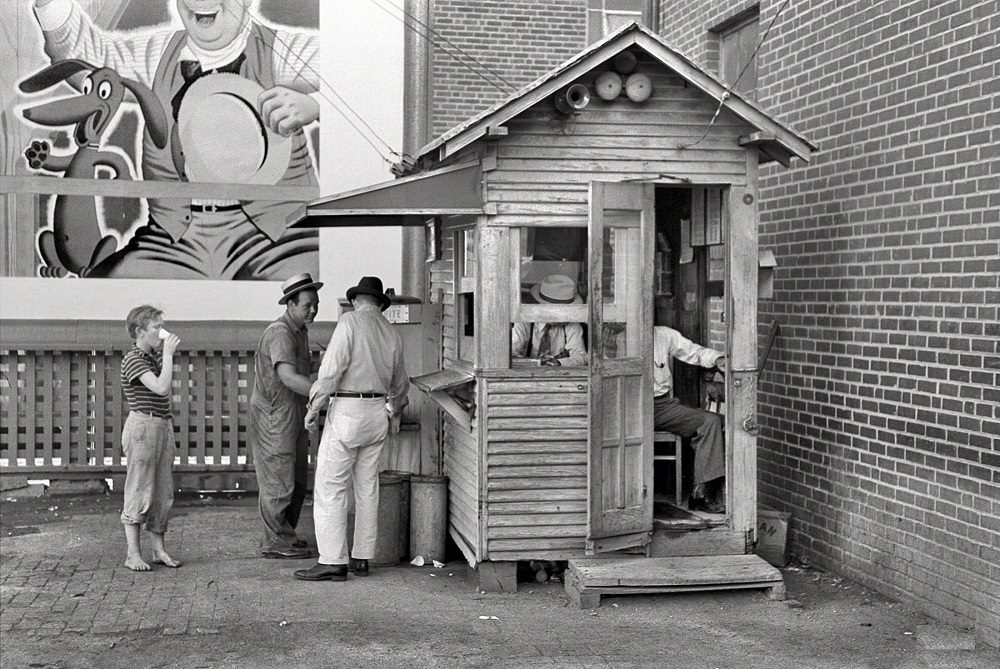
[217, 239]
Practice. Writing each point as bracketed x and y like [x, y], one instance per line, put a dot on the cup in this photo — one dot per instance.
[164, 333]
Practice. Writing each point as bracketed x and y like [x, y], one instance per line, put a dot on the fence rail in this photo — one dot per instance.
[62, 407]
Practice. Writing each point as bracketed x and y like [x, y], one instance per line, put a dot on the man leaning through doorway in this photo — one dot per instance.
[703, 427]
[363, 379]
[280, 443]
[554, 344]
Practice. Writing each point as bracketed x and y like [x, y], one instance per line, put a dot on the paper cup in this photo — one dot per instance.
[164, 333]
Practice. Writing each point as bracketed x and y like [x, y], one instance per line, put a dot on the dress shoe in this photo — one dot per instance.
[323, 572]
[359, 567]
[286, 553]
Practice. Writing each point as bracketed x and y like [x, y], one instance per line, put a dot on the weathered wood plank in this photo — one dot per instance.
[537, 531]
[537, 471]
[538, 411]
[576, 399]
[533, 521]
[573, 494]
[538, 435]
[528, 459]
[535, 544]
[546, 423]
[540, 482]
[539, 507]
[536, 447]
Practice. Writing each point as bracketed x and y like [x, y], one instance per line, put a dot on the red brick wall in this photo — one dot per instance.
[518, 39]
[880, 411]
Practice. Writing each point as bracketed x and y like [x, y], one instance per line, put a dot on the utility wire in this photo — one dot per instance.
[385, 157]
[430, 38]
[729, 89]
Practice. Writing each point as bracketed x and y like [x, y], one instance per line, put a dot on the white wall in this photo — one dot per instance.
[362, 59]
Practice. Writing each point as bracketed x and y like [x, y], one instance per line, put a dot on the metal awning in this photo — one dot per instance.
[447, 191]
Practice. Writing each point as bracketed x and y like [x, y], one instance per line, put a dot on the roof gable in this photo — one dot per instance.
[769, 131]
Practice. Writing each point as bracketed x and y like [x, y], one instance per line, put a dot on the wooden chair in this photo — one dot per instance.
[672, 451]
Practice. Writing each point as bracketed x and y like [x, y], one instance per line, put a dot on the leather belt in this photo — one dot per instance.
[199, 208]
[362, 395]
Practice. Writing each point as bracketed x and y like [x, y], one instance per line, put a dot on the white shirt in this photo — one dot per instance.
[669, 343]
[526, 340]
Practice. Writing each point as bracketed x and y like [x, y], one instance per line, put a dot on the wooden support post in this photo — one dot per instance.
[741, 335]
[494, 577]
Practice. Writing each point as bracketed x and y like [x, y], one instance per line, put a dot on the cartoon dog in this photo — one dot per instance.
[74, 244]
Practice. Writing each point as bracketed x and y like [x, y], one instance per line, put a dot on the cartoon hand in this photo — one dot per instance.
[286, 111]
[37, 154]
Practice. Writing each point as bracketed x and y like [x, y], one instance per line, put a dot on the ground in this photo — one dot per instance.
[67, 601]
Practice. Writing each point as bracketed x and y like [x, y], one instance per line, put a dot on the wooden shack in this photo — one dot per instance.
[651, 206]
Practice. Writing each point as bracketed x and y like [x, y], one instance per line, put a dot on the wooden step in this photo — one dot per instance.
[588, 579]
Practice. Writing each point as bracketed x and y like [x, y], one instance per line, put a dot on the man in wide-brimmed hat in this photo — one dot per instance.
[552, 343]
[280, 443]
[363, 380]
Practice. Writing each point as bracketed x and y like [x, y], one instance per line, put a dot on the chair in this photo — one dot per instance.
[674, 454]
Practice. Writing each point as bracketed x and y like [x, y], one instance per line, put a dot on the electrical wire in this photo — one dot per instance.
[384, 156]
[729, 89]
[441, 46]
[452, 44]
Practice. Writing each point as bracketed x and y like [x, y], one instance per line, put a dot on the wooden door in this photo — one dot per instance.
[620, 297]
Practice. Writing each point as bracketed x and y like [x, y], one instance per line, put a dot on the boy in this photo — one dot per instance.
[148, 435]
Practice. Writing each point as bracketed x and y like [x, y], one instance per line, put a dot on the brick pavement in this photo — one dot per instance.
[66, 586]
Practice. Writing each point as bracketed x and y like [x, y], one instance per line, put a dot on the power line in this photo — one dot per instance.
[334, 104]
[729, 89]
[441, 46]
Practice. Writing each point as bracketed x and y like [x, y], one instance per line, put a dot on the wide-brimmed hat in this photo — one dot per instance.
[297, 284]
[556, 289]
[370, 285]
[223, 137]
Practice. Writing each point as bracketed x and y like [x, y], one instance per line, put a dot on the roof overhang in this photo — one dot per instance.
[446, 191]
[774, 140]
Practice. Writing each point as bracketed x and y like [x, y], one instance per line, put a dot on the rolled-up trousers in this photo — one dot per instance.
[350, 450]
[703, 427]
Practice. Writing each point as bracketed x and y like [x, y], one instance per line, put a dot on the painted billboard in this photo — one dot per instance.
[203, 114]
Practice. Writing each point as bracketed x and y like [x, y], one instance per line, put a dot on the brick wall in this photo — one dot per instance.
[881, 410]
[518, 39]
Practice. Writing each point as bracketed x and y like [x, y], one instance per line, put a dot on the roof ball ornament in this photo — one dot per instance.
[608, 85]
[638, 87]
[625, 62]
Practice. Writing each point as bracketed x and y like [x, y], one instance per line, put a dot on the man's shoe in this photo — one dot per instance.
[359, 567]
[300, 543]
[286, 553]
[323, 572]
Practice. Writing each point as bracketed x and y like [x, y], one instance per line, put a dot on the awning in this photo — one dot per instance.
[447, 191]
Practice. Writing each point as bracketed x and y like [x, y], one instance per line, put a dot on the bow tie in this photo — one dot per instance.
[191, 69]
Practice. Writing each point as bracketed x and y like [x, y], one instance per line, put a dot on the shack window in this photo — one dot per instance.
[549, 310]
[464, 241]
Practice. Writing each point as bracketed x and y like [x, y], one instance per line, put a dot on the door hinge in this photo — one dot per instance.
[644, 489]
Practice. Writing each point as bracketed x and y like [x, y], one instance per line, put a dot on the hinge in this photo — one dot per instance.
[644, 489]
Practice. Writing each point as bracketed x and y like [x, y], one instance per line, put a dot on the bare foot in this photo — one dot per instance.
[136, 563]
[166, 560]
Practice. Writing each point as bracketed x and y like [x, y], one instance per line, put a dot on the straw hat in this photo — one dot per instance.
[556, 289]
[297, 284]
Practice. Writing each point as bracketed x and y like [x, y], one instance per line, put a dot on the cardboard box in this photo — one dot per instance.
[772, 535]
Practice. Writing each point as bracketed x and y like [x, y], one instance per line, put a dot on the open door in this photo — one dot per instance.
[620, 441]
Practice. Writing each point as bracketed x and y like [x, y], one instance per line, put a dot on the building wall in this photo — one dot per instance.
[519, 40]
[880, 408]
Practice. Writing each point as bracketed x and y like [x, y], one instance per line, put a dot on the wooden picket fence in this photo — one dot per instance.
[62, 407]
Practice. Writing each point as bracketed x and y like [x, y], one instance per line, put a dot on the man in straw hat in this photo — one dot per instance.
[283, 370]
[363, 380]
[552, 343]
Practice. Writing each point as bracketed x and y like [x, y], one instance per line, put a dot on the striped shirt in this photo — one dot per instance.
[140, 398]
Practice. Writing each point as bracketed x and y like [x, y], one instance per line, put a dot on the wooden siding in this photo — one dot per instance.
[536, 467]
[546, 161]
[442, 278]
[461, 465]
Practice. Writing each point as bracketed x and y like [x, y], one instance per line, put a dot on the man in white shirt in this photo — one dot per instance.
[554, 344]
[703, 427]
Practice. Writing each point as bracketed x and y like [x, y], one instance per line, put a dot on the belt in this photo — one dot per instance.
[198, 208]
[362, 395]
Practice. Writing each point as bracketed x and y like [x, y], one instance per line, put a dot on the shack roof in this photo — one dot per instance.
[770, 133]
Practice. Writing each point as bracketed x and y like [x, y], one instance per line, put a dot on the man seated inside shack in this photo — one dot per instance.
[553, 344]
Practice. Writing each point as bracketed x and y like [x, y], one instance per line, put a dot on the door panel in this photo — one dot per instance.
[620, 508]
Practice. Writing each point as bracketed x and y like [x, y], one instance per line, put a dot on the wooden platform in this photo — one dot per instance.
[588, 579]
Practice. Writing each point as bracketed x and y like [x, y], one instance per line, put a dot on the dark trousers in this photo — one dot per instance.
[280, 446]
[704, 428]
